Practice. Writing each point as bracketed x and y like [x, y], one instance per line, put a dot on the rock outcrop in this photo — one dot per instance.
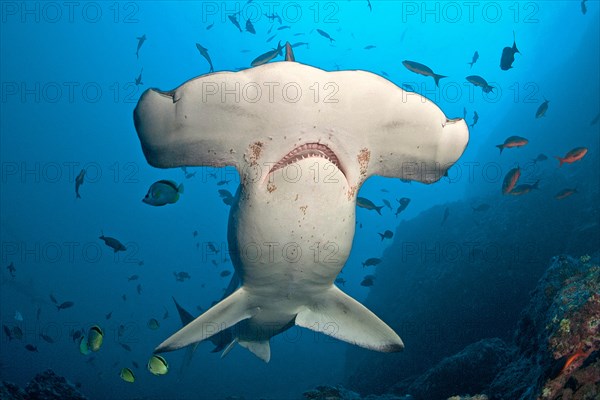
[44, 386]
[554, 352]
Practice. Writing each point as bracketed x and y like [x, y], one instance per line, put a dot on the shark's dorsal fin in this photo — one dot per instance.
[222, 315]
[289, 53]
[336, 314]
[260, 349]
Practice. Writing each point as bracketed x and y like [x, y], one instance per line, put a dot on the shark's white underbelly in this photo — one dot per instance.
[301, 243]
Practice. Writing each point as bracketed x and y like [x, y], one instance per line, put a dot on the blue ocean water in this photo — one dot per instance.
[68, 94]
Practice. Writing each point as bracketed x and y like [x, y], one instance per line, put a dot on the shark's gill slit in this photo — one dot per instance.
[305, 151]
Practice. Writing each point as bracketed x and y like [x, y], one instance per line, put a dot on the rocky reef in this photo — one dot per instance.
[44, 386]
[340, 393]
[558, 337]
[554, 352]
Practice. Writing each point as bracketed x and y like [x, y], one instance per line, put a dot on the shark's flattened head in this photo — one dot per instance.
[263, 118]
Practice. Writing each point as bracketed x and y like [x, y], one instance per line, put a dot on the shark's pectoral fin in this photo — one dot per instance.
[338, 315]
[222, 315]
[260, 349]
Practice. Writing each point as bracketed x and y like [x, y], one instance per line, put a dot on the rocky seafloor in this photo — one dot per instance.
[554, 352]
[44, 386]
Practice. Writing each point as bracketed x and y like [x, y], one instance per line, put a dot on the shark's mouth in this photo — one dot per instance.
[308, 150]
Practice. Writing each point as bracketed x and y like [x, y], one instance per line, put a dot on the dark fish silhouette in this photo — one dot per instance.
[65, 305]
[508, 55]
[250, 27]
[386, 235]
[446, 215]
[235, 22]
[368, 281]
[482, 83]
[47, 338]
[273, 17]
[371, 262]
[31, 348]
[475, 118]
[138, 80]
[540, 157]
[541, 111]
[78, 182]
[141, 41]
[204, 53]
[300, 44]
[403, 204]
[326, 35]
[7, 332]
[422, 69]
[524, 188]
[11, 269]
[112, 243]
[263, 59]
[583, 7]
[475, 58]
[387, 204]
[368, 204]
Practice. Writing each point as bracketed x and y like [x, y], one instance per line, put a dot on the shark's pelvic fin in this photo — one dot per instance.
[229, 347]
[222, 315]
[260, 349]
[338, 315]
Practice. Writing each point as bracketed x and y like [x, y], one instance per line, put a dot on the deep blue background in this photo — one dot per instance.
[47, 136]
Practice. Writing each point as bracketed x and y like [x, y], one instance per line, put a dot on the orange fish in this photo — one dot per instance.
[513, 141]
[574, 155]
[565, 193]
[524, 188]
[510, 180]
[571, 360]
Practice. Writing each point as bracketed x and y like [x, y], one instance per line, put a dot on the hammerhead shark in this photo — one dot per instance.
[303, 141]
